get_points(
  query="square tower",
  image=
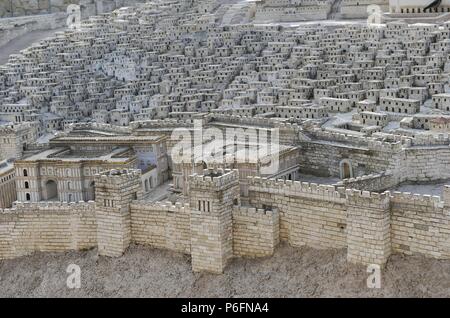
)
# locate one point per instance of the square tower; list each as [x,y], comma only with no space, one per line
[212,197]
[114,191]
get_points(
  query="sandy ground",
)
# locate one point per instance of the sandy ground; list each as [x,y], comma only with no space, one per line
[292,272]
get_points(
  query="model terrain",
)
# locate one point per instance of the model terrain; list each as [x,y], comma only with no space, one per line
[221,135]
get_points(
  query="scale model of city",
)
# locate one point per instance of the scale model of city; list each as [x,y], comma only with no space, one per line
[224,129]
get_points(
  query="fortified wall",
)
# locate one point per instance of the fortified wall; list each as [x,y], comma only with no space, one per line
[17,8]
[216,226]
[19,17]
[12,28]
[422,158]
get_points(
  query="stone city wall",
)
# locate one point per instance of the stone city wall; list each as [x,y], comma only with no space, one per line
[290,14]
[12,28]
[419,159]
[310,214]
[47,227]
[420,224]
[256,232]
[357,9]
[324,159]
[371,226]
[24,16]
[425,163]
[17,8]
[161,225]
[373,182]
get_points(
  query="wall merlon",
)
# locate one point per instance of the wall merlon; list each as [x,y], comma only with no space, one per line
[408,198]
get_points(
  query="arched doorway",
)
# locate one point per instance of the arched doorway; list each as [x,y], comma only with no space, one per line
[91,192]
[51,189]
[346,170]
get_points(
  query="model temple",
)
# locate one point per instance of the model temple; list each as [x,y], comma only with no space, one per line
[330,117]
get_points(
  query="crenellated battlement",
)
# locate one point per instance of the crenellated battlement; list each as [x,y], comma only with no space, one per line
[430,140]
[253,121]
[14,128]
[372,182]
[297,188]
[214,179]
[162,123]
[254,212]
[361,141]
[116,176]
[417,199]
[98,126]
[368,199]
[176,207]
[33,207]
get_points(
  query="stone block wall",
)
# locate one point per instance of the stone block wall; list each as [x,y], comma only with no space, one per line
[212,197]
[211,242]
[420,224]
[47,227]
[214,227]
[425,163]
[17,8]
[13,28]
[368,227]
[310,214]
[373,182]
[161,225]
[256,232]
[323,159]
[114,191]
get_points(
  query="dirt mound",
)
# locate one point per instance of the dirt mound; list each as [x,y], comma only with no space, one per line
[292,272]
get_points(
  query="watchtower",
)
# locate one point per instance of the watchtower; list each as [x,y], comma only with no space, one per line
[212,197]
[114,191]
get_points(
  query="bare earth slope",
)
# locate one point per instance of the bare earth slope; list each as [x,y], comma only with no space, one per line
[144,272]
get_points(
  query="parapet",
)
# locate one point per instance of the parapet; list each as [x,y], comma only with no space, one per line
[65,207]
[367,199]
[243,120]
[368,142]
[14,128]
[298,188]
[214,179]
[117,176]
[168,206]
[162,123]
[254,212]
[372,182]
[418,199]
[430,140]
[98,126]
